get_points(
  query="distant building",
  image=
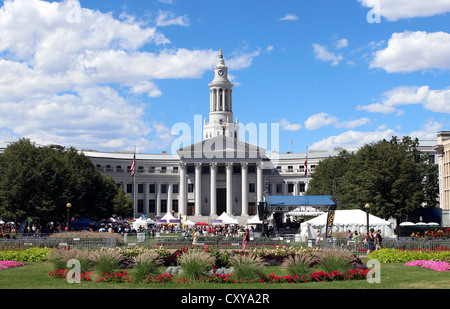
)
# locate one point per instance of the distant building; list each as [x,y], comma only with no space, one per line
[443,160]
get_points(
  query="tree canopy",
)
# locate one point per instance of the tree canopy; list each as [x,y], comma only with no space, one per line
[38,182]
[389,175]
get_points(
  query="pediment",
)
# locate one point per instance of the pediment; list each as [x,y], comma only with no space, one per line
[221,148]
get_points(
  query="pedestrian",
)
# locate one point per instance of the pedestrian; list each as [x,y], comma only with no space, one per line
[370,245]
[356,238]
[349,237]
[246,238]
[378,240]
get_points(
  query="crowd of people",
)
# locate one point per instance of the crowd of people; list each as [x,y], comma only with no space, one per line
[373,241]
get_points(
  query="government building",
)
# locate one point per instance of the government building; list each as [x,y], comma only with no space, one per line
[220,174]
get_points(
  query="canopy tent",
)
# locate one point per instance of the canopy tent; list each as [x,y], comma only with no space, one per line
[188,223]
[168,218]
[353,220]
[139,223]
[254,220]
[226,219]
[81,222]
[201,223]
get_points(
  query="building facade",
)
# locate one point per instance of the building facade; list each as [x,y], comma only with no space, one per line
[443,160]
[219,174]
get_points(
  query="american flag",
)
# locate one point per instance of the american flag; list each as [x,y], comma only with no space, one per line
[306,166]
[133,165]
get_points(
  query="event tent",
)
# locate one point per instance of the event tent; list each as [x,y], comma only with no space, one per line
[226,219]
[254,220]
[352,219]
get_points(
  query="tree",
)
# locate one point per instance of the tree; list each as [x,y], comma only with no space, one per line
[386,174]
[38,182]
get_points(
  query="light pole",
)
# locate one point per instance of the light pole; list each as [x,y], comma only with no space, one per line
[367,206]
[68,206]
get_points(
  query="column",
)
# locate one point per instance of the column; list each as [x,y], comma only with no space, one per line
[295,187]
[244,188]
[169,197]
[198,189]
[212,198]
[146,198]
[259,182]
[158,199]
[182,190]
[229,173]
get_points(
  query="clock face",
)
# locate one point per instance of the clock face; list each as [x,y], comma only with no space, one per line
[220,73]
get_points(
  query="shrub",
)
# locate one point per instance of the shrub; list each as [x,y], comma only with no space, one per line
[60,256]
[334,260]
[195,264]
[299,264]
[27,255]
[402,256]
[247,266]
[146,264]
[106,260]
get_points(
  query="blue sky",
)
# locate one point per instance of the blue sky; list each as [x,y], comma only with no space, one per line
[111,75]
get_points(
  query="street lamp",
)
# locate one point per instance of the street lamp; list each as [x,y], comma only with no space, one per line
[68,206]
[367,206]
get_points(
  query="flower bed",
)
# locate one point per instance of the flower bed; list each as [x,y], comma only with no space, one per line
[404,256]
[125,277]
[10,264]
[434,265]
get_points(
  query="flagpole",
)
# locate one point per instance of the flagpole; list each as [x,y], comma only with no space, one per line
[134,184]
[306,170]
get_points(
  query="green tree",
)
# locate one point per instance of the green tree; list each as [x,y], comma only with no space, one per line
[386,174]
[38,182]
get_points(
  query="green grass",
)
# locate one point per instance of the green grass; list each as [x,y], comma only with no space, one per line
[393,276]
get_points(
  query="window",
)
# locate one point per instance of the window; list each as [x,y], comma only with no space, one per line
[175,205]
[152,188]
[163,188]
[140,169]
[252,209]
[290,187]
[302,187]
[236,169]
[190,187]
[290,168]
[251,187]
[205,169]
[140,188]
[175,188]
[140,207]
[163,206]
[151,206]
[279,188]
[190,169]
[129,188]
[251,168]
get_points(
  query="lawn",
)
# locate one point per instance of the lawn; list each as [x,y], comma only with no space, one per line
[34,275]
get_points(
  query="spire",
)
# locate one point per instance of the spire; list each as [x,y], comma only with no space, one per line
[220,53]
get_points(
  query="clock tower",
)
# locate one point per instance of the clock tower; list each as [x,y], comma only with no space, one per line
[221,105]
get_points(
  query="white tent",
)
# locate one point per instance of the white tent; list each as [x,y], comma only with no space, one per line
[226,219]
[353,220]
[254,220]
[139,223]
[188,223]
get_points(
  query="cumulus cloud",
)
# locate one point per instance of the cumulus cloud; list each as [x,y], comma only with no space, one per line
[353,139]
[394,10]
[287,126]
[434,100]
[166,18]
[65,71]
[410,51]
[322,53]
[319,120]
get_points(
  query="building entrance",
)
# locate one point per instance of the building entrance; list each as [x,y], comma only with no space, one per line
[221,200]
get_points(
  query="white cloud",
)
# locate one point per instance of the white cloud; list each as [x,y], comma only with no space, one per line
[65,70]
[428,130]
[322,53]
[289,16]
[414,51]
[287,126]
[323,119]
[166,18]
[353,139]
[342,43]
[394,10]
[435,100]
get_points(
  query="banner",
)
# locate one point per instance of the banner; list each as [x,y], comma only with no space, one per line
[330,219]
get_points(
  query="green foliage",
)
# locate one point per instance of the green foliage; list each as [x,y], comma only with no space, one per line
[26,255]
[106,260]
[299,264]
[195,264]
[386,174]
[247,266]
[402,256]
[146,264]
[38,182]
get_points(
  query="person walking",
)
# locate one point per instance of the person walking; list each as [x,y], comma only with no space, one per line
[378,240]
[246,238]
[370,241]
